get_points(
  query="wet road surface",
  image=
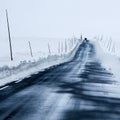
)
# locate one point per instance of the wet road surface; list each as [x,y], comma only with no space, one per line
[80,89]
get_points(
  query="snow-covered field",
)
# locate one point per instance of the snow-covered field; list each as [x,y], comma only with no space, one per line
[39,46]
[46,53]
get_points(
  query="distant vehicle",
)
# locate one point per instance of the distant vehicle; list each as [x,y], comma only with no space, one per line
[86,40]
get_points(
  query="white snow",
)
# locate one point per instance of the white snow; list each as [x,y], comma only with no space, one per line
[110,60]
[24,65]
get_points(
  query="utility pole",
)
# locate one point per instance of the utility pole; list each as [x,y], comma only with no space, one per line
[30,49]
[11,53]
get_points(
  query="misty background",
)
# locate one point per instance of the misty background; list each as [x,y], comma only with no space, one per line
[58,19]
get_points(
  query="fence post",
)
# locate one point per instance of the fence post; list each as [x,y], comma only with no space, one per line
[81,38]
[110,44]
[49,49]
[30,49]
[59,47]
[65,46]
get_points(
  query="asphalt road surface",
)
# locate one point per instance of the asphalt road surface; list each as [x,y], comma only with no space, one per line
[75,90]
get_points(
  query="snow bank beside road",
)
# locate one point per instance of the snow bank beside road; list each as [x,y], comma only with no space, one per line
[27,68]
[109,60]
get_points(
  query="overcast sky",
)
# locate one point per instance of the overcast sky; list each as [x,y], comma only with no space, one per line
[61,18]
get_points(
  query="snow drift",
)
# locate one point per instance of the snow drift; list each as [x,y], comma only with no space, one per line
[109,60]
[33,66]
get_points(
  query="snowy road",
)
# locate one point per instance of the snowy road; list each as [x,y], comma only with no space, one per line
[76,90]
